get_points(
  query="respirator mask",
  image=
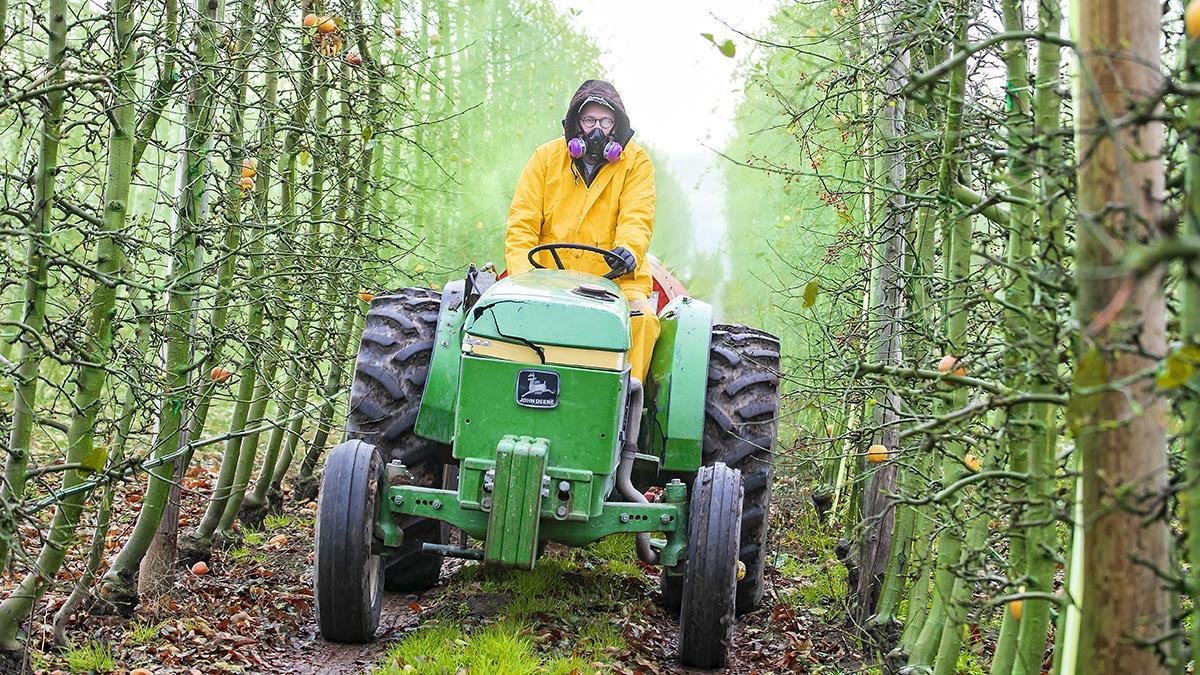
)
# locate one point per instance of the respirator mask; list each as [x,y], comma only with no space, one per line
[595,143]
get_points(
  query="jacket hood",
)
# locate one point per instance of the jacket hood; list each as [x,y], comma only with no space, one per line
[605,94]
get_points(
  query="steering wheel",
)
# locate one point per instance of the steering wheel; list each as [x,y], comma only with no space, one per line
[609,256]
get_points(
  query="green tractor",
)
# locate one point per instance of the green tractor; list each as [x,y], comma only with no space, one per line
[505,410]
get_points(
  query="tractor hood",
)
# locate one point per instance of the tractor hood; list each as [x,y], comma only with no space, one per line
[553,307]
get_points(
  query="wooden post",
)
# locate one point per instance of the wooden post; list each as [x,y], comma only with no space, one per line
[1121,431]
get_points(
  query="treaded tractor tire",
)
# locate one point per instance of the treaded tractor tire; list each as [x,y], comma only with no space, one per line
[347,578]
[389,380]
[706,617]
[741,408]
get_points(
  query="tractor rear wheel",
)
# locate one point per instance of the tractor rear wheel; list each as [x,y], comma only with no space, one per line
[347,577]
[706,617]
[740,419]
[389,380]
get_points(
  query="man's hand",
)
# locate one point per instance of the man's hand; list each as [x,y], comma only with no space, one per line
[627,263]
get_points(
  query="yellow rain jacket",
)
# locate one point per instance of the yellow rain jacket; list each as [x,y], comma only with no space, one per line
[553,204]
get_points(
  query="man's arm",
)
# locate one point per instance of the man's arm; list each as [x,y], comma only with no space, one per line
[635,210]
[525,215]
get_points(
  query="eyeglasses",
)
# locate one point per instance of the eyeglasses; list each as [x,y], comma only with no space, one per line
[589,122]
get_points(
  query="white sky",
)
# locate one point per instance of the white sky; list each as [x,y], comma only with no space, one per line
[679,90]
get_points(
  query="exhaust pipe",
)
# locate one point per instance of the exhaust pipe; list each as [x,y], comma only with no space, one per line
[633,426]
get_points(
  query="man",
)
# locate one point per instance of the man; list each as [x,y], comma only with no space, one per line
[594,187]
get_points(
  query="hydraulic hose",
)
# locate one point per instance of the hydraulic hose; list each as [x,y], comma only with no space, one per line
[633,426]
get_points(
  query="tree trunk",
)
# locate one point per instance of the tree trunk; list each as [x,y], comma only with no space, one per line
[257,401]
[1189,326]
[96,350]
[83,585]
[182,281]
[888,305]
[1041,540]
[234,195]
[295,389]
[957,234]
[1018,296]
[197,545]
[29,350]
[1121,434]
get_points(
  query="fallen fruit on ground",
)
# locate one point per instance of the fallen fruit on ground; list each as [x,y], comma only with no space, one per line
[877,453]
[200,568]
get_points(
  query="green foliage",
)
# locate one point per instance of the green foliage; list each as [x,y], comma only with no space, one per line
[141,632]
[89,657]
[279,521]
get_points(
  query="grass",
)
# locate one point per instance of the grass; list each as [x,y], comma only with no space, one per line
[142,632]
[280,521]
[89,657]
[558,618]
[807,555]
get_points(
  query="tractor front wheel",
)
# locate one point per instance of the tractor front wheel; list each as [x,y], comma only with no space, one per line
[706,617]
[347,577]
[389,380]
[741,405]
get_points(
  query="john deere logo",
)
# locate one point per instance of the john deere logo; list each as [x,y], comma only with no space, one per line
[537,389]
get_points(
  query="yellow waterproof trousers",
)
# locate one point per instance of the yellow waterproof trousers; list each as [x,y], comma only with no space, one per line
[643,332]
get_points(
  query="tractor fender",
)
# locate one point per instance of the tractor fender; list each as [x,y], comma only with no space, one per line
[678,382]
[435,418]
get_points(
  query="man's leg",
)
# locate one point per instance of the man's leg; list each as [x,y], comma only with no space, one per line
[643,331]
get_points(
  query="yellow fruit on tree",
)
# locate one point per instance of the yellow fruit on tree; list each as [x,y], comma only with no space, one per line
[1191,19]
[365,295]
[877,453]
[246,183]
[972,462]
[220,374]
[310,20]
[249,167]
[326,24]
[948,363]
[1015,605]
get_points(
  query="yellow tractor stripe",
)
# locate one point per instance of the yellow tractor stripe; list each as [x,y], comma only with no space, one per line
[563,356]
